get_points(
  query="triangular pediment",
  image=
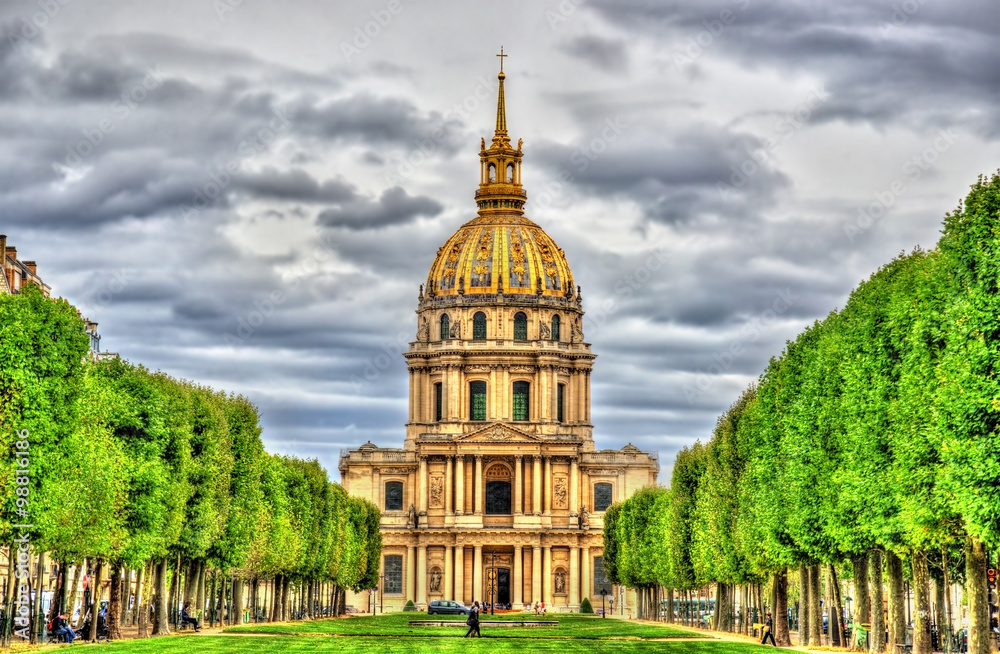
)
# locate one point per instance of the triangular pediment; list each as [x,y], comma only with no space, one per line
[498,432]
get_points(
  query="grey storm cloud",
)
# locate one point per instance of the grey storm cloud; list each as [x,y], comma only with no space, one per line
[267,189]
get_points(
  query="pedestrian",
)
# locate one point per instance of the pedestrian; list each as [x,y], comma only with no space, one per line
[768,630]
[473,621]
[61,628]
[187,619]
[536,607]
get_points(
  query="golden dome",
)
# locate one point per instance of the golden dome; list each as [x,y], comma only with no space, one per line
[507,253]
[500,250]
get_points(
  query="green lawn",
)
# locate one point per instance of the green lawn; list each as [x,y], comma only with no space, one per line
[392,633]
[395,644]
[571,625]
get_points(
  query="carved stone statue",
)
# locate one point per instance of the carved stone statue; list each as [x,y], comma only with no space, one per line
[456,329]
[482,143]
[411,518]
[577,332]
[424,333]
[435,585]
[584,517]
[520,142]
[543,329]
[560,585]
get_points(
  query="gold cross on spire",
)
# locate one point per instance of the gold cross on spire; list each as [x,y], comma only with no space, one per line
[501,55]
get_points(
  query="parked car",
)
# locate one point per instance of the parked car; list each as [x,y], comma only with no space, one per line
[350,609]
[445,607]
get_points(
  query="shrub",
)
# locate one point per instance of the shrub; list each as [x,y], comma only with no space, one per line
[410,606]
[585,606]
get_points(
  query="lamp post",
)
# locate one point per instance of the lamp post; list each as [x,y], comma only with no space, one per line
[381,595]
[493,564]
[611,601]
[604,592]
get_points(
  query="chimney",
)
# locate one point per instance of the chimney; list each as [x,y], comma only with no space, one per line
[12,252]
[32,266]
[3,248]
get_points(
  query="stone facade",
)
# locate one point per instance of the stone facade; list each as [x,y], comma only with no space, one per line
[498,492]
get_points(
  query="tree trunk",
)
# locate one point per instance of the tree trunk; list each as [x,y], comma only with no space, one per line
[975,589]
[221,599]
[780,610]
[190,583]
[201,586]
[815,609]
[115,604]
[837,608]
[897,608]
[922,608]
[939,614]
[803,631]
[140,578]
[10,593]
[284,598]
[238,585]
[876,637]
[862,600]
[160,624]
[37,618]
[78,568]
[95,606]
[947,590]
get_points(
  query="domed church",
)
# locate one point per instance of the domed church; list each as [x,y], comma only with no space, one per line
[498,492]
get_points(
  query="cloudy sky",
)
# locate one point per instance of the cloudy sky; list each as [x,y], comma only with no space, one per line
[248,194]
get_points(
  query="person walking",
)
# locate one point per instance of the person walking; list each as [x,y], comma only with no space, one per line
[768,630]
[473,621]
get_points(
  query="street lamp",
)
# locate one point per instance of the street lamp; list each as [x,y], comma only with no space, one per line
[381,595]
[493,564]
[604,592]
[611,601]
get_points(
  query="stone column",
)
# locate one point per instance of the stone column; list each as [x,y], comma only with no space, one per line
[517,603]
[536,573]
[459,573]
[548,485]
[477,573]
[536,486]
[574,485]
[585,576]
[518,485]
[493,393]
[411,405]
[449,563]
[477,481]
[460,484]
[586,382]
[574,577]
[554,394]
[421,575]
[540,392]
[422,490]
[411,571]
[377,489]
[506,411]
[448,488]
[585,491]
[547,576]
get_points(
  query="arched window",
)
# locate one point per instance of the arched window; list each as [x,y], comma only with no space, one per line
[479,326]
[445,327]
[602,496]
[393,496]
[522,393]
[555,328]
[520,326]
[493,172]
[510,173]
[477,400]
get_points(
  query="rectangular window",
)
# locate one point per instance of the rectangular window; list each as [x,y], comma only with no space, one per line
[521,397]
[393,496]
[477,400]
[602,496]
[437,402]
[600,576]
[560,393]
[393,575]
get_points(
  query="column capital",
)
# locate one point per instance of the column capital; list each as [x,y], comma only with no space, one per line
[479,457]
[536,457]
[518,457]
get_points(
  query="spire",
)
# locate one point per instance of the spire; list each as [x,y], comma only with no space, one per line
[501,107]
[500,136]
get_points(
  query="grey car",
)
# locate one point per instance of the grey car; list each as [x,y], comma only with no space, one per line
[445,607]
